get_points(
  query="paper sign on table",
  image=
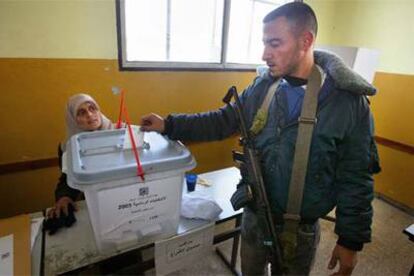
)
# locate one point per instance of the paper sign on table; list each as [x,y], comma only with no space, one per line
[177,252]
[15,246]
[6,255]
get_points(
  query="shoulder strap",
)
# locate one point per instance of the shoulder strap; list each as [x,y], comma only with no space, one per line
[260,118]
[307,121]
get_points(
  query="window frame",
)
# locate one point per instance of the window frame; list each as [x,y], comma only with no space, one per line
[125,65]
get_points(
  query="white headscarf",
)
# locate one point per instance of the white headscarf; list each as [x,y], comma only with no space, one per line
[72,107]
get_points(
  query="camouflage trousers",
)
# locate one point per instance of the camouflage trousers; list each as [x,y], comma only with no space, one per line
[254,255]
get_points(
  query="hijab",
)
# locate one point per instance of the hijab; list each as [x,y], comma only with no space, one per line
[72,107]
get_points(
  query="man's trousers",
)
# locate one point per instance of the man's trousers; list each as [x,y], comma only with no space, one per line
[254,254]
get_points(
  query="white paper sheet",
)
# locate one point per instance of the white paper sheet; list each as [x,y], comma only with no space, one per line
[177,252]
[410,229]
[200,204]
[6,255]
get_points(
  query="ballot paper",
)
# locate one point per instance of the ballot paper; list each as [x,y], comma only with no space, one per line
[6,255]
[180,251]
[138,137]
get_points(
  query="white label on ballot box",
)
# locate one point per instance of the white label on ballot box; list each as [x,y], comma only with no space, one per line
[137,207]
[180,251]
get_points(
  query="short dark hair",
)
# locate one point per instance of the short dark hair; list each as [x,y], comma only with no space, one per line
[299,14]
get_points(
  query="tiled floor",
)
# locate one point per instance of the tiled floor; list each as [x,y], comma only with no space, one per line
[389,253]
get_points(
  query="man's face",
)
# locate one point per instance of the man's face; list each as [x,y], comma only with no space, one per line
[282,51]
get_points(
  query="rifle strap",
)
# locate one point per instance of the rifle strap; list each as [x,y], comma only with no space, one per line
[307,121]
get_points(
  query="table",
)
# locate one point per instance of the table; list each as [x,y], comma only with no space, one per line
[72,249]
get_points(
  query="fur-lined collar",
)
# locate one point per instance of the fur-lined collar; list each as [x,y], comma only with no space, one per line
[344,77]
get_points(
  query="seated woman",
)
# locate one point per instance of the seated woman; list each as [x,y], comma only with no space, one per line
[82,114]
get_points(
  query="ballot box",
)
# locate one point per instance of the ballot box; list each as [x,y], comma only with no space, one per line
[124,209]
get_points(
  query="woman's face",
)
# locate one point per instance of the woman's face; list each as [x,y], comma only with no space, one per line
[88,117]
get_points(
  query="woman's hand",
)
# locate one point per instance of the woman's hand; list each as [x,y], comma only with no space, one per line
[62,205]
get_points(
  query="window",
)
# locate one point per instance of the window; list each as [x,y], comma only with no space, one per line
[191,34]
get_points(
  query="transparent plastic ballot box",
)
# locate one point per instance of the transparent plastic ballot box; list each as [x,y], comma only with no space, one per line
[124,209]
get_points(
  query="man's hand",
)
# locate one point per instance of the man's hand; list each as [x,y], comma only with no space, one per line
[347,260]
[152,122]
[61,206]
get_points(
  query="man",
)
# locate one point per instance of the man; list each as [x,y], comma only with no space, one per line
[342,156]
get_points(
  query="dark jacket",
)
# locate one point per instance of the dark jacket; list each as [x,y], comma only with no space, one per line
[343,151]
[62,187]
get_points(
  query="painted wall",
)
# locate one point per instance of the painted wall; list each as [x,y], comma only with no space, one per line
[387,25]
[58,29]
[68,46]
[52,49]
[32,107]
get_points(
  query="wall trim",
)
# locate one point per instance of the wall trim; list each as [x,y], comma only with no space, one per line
[396,204]
[53,162]
[395,145]
[28,165]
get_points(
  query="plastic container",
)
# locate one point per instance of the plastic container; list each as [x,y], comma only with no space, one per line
[124,210]
[191,180]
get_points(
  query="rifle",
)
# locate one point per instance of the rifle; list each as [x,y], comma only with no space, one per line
[254,190]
